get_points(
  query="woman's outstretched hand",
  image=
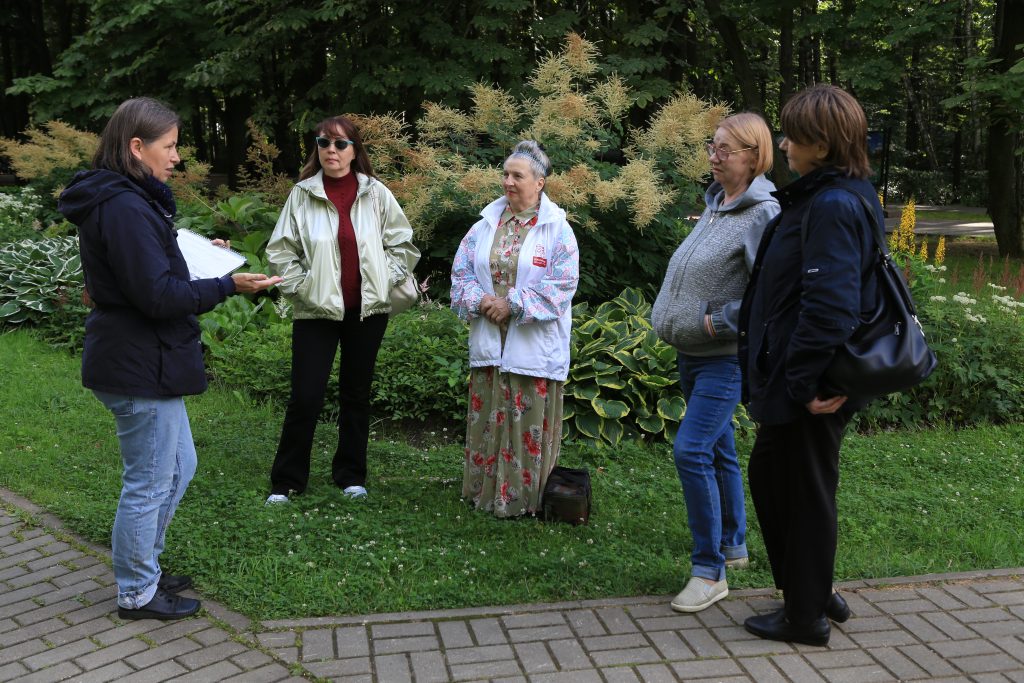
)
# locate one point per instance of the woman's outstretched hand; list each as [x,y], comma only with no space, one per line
[248,283]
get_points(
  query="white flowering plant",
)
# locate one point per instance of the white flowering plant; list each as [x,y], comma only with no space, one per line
[20,214]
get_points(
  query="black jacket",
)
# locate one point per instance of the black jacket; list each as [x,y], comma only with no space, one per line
[142,338]
[804,301]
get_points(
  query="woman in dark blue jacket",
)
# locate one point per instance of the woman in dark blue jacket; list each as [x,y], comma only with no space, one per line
[806,297]
[141,352]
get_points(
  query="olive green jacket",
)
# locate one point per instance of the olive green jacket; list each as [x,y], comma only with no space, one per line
[303,249]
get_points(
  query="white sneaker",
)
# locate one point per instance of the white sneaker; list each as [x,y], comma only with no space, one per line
[354,492]
[738,563]
[699,595]
[276,498]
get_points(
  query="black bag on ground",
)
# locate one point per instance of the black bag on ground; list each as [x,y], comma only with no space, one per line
[888,352]
[567,496]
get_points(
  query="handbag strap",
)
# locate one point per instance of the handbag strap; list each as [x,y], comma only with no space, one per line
[884,257]
[876,229]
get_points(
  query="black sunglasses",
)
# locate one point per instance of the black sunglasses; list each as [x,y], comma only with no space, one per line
[339,144]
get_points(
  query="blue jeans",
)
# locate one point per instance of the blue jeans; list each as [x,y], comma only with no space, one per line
[159,460]
[705,455]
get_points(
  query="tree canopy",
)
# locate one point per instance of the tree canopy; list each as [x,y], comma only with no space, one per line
[937,75]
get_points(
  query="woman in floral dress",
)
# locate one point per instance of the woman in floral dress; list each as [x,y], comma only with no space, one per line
[513,279]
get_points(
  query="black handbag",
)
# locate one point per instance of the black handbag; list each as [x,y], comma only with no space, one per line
[888,352]
[566,496]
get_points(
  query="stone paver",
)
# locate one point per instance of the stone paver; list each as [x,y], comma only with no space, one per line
[951,627]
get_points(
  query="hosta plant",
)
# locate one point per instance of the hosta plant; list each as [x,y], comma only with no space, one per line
[623,379]
[41,286]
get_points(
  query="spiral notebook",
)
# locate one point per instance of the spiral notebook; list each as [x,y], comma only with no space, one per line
[204,258]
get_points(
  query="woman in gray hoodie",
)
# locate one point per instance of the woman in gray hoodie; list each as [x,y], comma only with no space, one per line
[696,312]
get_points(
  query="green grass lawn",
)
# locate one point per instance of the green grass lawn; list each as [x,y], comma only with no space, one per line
[910,503]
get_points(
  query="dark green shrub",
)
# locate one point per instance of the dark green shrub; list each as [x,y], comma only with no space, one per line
[421,370]
[423,366]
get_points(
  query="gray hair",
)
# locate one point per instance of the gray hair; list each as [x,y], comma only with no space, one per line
[533,152]
[141,117]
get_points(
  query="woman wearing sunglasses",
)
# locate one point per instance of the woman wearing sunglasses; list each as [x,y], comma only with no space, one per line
[341,243]
[696,312]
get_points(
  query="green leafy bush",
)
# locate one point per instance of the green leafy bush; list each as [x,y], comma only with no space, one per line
[423,365]
[41,286]
[421,369]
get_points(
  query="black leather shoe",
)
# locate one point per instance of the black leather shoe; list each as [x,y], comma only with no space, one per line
[163,606]
[772,627]
[836,608]
[174,583]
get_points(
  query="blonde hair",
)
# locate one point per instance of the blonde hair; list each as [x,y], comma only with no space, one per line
[750,130]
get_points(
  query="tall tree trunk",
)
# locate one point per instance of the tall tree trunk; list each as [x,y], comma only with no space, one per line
[788,84]
[730,34]
[237,110]
[1005,164]
[917,113]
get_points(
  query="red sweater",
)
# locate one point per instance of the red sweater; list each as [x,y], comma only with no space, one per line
[342,193]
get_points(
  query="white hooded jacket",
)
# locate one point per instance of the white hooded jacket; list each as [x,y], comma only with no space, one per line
[537,343]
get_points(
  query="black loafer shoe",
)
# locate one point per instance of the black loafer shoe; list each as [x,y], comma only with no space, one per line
[772,627]
[174,583]
[163,606]
[836,608]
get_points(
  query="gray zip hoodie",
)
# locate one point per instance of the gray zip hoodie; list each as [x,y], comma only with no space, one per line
[709,271]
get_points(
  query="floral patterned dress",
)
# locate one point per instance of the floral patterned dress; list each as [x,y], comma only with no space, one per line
[514,425]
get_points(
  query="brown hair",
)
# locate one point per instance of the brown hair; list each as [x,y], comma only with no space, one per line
[345,127]
[140,117]
[831,116]
[750,130]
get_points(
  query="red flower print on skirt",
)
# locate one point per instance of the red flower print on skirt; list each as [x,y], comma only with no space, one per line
[478,459]
[506,454]
[500,417]
[540,387]
[532,445]
[527,478]
[504,492]
[476,402]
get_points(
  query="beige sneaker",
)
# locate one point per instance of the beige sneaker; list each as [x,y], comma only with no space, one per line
[738,563]
[699,595]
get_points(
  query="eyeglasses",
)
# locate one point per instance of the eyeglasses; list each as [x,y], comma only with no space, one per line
[723,154]
[340,144]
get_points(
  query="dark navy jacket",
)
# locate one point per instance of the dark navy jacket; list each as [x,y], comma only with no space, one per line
[142,338]
[804,301]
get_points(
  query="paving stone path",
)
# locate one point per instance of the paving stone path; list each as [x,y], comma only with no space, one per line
[57,623]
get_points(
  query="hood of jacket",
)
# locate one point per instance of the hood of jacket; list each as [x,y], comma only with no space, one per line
[549,212]
[760,190]
[89,189]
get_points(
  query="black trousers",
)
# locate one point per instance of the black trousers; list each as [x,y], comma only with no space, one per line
[314,345]
[793,473]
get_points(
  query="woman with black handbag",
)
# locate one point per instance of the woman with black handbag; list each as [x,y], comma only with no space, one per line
[806,298]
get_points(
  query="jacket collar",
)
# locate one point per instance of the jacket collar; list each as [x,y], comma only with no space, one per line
[807,185]
[549,211]
[315,184]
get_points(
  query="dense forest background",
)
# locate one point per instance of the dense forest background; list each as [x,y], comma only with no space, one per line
[942,81]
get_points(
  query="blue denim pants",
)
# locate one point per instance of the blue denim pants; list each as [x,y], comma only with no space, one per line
[705,455]
[159,460]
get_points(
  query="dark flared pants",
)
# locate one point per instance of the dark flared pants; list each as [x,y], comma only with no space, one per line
[793,474]
[314,345]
